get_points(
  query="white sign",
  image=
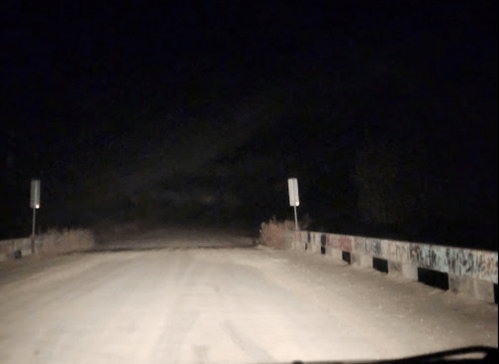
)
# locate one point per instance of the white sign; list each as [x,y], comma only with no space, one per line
[35,194]
[294,199]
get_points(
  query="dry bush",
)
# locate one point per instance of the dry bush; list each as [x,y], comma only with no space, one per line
[64,241]
[272,233]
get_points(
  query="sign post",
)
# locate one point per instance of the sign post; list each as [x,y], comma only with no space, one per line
[34,204]
[294,199]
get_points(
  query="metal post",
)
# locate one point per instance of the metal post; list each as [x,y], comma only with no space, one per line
[33,227]
[35,204]
[33,232]
[296,219]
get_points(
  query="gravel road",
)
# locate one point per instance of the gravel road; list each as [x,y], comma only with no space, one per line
[227,305]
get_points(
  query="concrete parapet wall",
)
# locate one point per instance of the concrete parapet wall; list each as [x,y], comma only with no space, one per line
[52,243]
[471,272]
[342,242]
[15,248]
[362,260]
[335,253]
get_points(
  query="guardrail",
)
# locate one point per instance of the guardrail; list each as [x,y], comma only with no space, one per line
[465,271]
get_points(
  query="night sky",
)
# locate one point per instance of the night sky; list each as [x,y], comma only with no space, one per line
[386,112]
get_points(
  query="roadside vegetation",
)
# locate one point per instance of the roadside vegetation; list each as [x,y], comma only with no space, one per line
[58,241]
[272,233]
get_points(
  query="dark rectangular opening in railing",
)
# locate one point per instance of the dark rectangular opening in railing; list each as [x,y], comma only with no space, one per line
[495,293]
[380,265]
[433,278]
[18,254]
[323,244]
[346,257]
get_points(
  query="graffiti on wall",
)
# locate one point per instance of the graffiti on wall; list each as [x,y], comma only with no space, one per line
[360,244]
[457,261]
[460,261]
[374,247]
[429,257]
[475,263]
[485,265]
[317,238]
[396,250]
[342,242]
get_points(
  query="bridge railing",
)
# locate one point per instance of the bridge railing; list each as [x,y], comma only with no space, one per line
[52,242]
[466,271]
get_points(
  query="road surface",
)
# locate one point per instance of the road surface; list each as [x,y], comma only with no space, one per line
[226,305]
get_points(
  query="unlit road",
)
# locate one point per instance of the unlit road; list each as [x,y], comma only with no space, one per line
[240,305]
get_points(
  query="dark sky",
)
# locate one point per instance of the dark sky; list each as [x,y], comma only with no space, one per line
[386,112]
